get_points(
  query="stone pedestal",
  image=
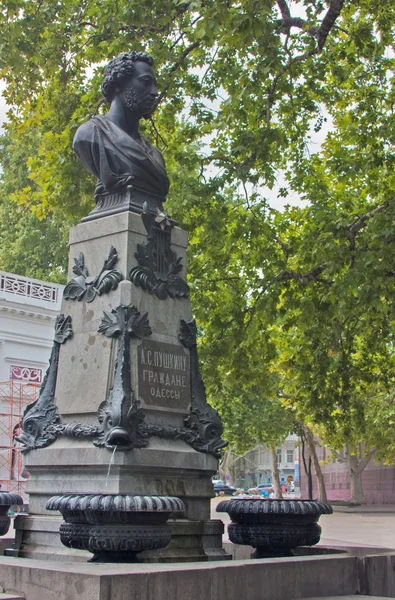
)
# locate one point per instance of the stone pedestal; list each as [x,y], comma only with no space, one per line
[129,414]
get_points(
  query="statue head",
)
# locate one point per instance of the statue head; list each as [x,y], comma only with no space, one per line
[130,77]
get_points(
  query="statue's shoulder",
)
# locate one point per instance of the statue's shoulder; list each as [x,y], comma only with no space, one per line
[86,131]
[150,147]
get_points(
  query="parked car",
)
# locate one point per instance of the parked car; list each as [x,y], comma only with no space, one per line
[261,486]
[220,486]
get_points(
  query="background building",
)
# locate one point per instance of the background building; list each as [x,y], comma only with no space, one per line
[28,309]
[378,480]
[255,466]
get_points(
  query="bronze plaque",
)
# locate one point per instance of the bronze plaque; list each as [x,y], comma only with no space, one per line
[163,374]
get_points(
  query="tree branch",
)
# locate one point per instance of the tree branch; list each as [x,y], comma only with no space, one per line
[304,278]
[360,223]
[176,65]
[362,463]
[320,34]
[286,250]
[312,275]
[286,23]
[363,219]
[329,21]
[284,9]
[285,68]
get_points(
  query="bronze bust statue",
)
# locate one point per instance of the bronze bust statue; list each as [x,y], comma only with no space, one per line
[129,170]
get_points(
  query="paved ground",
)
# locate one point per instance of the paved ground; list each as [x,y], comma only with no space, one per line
[369,526]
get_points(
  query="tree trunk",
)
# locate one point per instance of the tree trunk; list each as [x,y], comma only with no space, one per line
[224,466]
[307,470]
[356,465]
[276,475]
[356,487]
[310,480]
[316,463]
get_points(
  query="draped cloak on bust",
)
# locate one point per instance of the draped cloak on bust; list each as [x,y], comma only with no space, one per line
[117,160]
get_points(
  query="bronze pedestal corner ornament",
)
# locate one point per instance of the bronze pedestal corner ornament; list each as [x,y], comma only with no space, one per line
[120,416]
[158,267]
[203,427]
[42,414]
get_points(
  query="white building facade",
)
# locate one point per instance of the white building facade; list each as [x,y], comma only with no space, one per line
[255,466]
[28,310]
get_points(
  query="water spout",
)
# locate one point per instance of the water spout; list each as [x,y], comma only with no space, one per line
[110,465]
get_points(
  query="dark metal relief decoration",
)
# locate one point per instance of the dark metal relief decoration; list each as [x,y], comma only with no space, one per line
[85,287]
[120,416]
[158,266]
[73,430]
[41,414]
[204,424]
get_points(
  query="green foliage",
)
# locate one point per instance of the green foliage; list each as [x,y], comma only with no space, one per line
[32,247]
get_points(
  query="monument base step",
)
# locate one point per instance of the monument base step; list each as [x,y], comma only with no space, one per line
[327,576]
[351,598]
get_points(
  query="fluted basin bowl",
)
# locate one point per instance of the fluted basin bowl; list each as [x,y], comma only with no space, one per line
[7,499]
[274,527]
[115,528]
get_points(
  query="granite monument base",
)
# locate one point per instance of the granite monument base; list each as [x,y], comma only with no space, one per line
[129,414]
[166,468]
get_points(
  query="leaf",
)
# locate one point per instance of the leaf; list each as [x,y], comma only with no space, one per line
[75,289]
[108,281]
[111,325]
[91,292]
[79,267]
[111,260]
[138,324]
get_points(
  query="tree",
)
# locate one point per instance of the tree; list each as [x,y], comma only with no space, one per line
[250,418]
[32,247]
[316,464]
[332,365]
[29,246]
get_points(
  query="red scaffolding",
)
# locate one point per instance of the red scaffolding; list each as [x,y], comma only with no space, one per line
[14,396]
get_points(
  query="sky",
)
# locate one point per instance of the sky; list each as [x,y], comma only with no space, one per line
[3,106]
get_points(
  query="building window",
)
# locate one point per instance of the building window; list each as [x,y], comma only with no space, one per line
[290,456]
[279,456]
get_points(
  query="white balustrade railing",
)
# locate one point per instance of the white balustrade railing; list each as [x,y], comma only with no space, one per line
[34,289]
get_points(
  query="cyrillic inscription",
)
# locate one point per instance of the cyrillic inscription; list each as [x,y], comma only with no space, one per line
[163,373]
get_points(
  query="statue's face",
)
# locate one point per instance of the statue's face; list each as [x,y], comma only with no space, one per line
[139,92]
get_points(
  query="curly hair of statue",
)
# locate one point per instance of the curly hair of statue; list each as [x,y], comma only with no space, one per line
[119,68]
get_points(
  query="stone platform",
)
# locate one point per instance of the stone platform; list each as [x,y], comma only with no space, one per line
[325,576]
